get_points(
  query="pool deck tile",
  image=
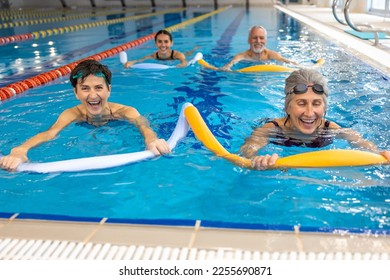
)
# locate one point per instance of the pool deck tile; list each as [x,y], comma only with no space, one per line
[246,240]
[51,230]
[144,235]
[352,243]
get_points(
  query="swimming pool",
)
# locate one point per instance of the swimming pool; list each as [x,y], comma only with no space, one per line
[192,184]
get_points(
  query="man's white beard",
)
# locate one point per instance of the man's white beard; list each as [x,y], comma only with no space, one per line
[258,50]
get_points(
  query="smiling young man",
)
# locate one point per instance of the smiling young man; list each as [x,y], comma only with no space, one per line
[257,40]
[304,125]
[92,87]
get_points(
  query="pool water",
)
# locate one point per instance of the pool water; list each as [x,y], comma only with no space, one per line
[192,183]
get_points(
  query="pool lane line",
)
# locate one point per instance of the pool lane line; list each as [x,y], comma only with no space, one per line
[19,87]
[73,28]
[11,24]
[207,87]
[34,13]
[195,20]
[31,13]
[225,41]
[30,71]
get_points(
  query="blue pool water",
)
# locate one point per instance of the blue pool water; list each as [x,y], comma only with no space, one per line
[191,183]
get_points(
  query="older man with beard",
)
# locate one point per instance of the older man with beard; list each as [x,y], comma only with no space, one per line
[257,40]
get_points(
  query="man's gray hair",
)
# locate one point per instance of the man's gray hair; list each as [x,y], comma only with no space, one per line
[257,27]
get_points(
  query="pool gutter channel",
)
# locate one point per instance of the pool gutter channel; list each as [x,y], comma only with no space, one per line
[41,239]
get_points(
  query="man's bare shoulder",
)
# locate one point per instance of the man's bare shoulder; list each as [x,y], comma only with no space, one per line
[270,54]
[245,55]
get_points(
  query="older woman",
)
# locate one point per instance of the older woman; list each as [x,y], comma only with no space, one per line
[304,124]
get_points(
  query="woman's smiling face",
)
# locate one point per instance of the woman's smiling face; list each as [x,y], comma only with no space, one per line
[93,94]
[164,43]
[306,111]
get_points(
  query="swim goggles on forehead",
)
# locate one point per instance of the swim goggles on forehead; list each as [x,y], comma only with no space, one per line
[302,88]
[80,74]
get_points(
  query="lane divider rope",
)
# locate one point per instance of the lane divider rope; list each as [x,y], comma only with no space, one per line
[41,20]
[7,14]
[44,78]
[73,28]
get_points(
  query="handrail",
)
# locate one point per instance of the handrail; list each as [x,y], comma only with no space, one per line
[350,23]
[370,28]
[334,7]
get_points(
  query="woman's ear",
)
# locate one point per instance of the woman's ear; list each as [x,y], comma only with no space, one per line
[75,93]
[287,110]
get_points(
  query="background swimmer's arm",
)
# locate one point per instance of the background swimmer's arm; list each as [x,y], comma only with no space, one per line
[237,58]
[130,63]
[180,56]
[277,56]
[190,52]
[258,139]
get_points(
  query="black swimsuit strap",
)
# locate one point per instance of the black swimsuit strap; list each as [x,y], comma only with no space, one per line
[327,123]
[318,142]
[274,123]
[157,57]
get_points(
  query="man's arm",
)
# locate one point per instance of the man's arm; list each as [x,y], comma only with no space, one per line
[277,56]
[237,58]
